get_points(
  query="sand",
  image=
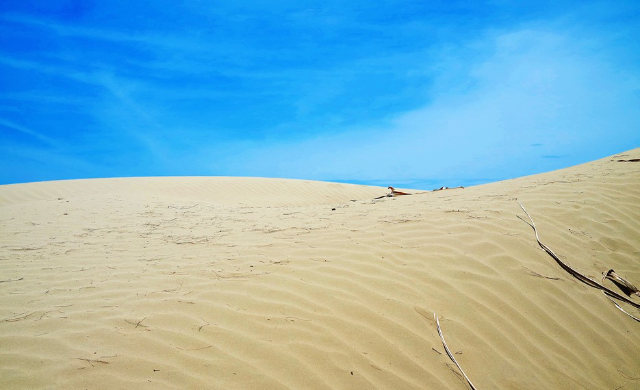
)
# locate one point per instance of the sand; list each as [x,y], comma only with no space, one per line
[244,283]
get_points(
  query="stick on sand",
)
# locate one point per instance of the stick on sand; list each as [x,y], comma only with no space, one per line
[444,344]
[584,279]
[394,192]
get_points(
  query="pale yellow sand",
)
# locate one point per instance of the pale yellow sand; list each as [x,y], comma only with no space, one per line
[232,283]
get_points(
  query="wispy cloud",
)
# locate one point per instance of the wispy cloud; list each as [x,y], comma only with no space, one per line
[414,92]
[101,34]
[18,161]
[24,130]
[117,106]
[535,87]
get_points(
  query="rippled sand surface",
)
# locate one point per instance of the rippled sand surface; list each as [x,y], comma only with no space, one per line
[241,283]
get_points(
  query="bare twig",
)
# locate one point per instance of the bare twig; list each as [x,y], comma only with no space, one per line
[18,317]
[91,361]
[193,349]
[622,310]
[534,273]
[622,283]
[628,376]
[444,344]
[10,280]
[584,279]
[139,323]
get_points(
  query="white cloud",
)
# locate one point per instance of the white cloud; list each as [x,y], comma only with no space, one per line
[24,130]
[533,86]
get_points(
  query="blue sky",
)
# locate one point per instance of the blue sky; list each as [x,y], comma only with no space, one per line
[416,94]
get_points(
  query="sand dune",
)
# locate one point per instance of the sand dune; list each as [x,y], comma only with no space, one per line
[244,283]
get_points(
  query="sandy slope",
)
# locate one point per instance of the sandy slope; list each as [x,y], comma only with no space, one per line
[262,283]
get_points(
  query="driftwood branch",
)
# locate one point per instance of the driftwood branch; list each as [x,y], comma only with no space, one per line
[10,280]
[584,279]
[444,344]
[622,283]
[622,310]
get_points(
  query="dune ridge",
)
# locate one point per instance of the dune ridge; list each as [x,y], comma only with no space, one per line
[232,191]
[267,283]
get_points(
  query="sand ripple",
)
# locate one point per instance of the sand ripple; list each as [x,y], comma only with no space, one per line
[264,283]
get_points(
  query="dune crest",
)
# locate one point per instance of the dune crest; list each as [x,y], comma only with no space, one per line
[285,284]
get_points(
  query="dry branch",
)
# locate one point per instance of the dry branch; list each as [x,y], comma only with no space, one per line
[193,349]
[624,311]
[444,344]
[17,318]
[139,323]
[625,286]
[91,361]
[534,273]
[584,279]
[622,283]
[10,280]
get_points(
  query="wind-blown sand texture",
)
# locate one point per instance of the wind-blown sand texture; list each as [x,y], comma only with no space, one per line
[240,283]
